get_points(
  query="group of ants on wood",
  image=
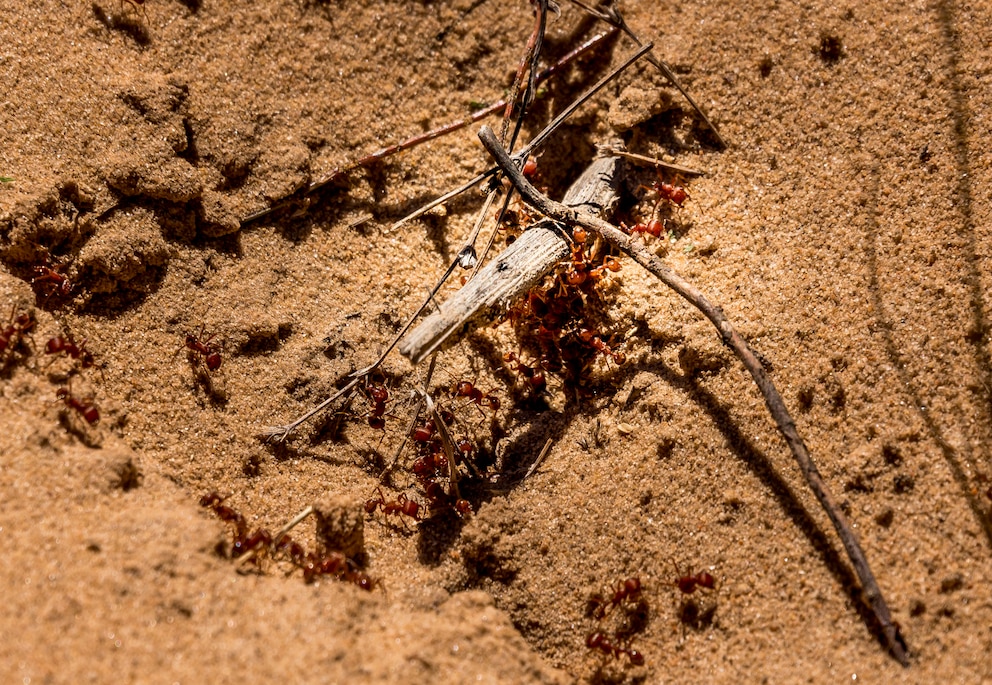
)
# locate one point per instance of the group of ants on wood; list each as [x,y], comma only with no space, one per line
[545,305]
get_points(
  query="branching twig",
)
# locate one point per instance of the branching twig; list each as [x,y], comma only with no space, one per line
[773,400]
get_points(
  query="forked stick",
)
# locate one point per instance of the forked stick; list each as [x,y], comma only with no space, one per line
[776,406]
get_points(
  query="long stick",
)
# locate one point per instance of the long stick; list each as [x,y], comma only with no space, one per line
[773,400]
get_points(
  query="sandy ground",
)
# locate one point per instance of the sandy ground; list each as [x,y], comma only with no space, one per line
[846,231]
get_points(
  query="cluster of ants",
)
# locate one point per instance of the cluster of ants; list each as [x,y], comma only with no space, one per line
[552,322]
[437,453]
[252,546]
[626,601]
[16,343]
[664,192]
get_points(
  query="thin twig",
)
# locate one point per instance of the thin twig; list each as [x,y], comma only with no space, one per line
[540,458]
[339,173]
[773,400]
[649,161]
[607,11]
[539,139]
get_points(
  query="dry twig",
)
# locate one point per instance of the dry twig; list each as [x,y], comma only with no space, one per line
[776,406]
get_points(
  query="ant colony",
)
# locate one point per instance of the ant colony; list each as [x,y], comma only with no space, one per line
[548,287]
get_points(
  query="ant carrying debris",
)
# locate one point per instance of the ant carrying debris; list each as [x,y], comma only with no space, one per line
[629,589]
[49,282]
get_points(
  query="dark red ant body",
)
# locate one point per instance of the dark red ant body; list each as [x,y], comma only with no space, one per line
[60,344]
[600,642]
[49,281]
[225,513]
[85,408]
[424,432]
[629,589]
[654,227]
[334,564]
[15,330]
[534,375]
[593,339]
[401,506]
[467,389]
[677,195]
[687,584]
[379,396]
[260,542]
[205,350]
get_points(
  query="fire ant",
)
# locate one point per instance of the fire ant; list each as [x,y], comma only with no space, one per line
[85,408]
[467,389]
[592,338]
[534,376]
[677,195]
[629,589]
[654,227]
[15,330]
[49,281]
[379,395]
[599,641]
[225,513]
[687,584]
[205,350]
[73,350]
[424,432]
[401,506]
[438,499]
[334,564]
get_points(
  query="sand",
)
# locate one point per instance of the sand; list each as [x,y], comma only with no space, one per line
[845,230]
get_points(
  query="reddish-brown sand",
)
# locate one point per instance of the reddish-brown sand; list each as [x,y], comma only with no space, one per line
[845,230]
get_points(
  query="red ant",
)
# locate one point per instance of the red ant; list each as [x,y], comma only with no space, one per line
[15,330]
[534,376]
[439,499]
[225,513]
[467,389]
[401,506]
[629,589]
[75,351]
[687,584]
[379,396]
[206,350]
[49,281]
[260,539]
[599,641]
[654,227]
[84,408]
[333,564]
[593,339]
[425,432]
[677,195]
